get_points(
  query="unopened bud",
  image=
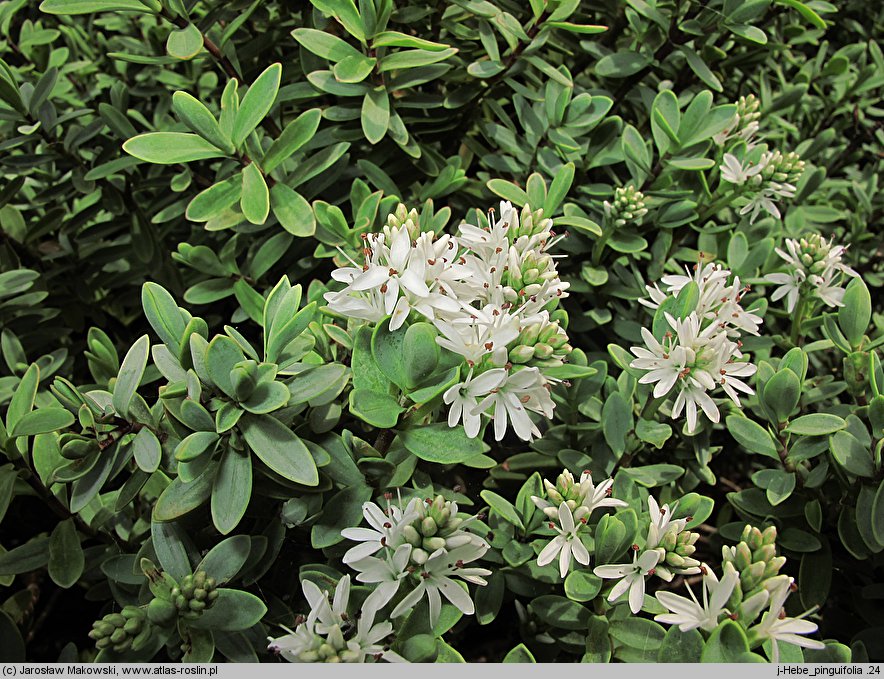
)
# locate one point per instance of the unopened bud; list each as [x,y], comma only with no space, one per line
[428,527]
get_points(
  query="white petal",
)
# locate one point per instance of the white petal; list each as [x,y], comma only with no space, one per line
[457,596]
[637,594]
[549,552]
[621,587]
[580,552]
[564,561]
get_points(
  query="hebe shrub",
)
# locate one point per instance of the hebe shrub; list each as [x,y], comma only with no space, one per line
[480,331]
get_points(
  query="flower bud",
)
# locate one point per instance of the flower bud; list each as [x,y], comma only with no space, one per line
[530,334]
[752,576]
[674,560]
[411,535]
[542,351]
[743,557]
[521,354]
[773,566]
[432,544]
[764,553]
[428,527]
[160,612]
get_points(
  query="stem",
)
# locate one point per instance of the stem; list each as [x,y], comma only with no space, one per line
[722,202]
[651,406]
[797,320]
[783,453]
[63,512]
[384,439]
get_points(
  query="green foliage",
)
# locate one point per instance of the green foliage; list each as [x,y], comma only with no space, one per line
[226,157]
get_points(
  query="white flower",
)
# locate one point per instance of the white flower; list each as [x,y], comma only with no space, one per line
[464,397]
[789,287]
[735,172]
[689,614]
[392,266]
[830,293]
[328,615]
[588,496]
[665,364]
[386,529]
[815,270]
[386,573]
[701,350]
[594,496]
[366,642]
[775,626]
[302,645]
[731,371]
[478,332]
[495,239]
[632,577]
[321,638]
[763,201]
[689,398]
[521,390]
[436,580]
[566,544]
[662,522]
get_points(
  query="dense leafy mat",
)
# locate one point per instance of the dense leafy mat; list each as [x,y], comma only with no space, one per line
[444,331]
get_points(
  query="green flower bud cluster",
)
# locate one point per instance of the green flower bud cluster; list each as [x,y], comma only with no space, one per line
[745,122]
[628,206]
[121,631]
[330,649]
[748,108]
[531,223]
[402,216]
[161,612]
[755,559]
[534,268]
[437,526]
[567,489]
[678,549]
[782,169]
[813,251]
[194,594]
[544,343]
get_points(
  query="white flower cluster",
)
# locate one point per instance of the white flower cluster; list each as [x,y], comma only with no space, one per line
[774,625]
[745,124]
[773,176]
[489,292]
[572,503]
[815,271]
[667,553]
[702,350]
[423,546]
[327,634]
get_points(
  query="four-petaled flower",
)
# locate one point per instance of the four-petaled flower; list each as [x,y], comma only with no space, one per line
[632,577]
[689,614]
[566,544]
[775,626]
